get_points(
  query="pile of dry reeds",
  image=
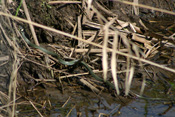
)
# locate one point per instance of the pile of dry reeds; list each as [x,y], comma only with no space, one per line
[107,37]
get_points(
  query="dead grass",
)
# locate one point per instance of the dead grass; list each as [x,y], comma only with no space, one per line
[112,38]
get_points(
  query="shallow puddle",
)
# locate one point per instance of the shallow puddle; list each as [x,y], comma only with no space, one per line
[78,102]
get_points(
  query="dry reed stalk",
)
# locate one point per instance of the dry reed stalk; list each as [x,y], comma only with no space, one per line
[94,89]
[92,43]
[80,43]
[13,79]
[4,58]
[30,25]
[107,29]
[15,66]
[70,111]
[64,2]
[104,53]
[66,102]
[129,80]
[146,7]
[114,61]
[136,9]
[4,98]
[36,109]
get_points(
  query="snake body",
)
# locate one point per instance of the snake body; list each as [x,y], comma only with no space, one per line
[73,62]
[69,63]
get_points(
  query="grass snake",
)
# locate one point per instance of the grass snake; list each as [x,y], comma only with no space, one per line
[68,63]
[74,62]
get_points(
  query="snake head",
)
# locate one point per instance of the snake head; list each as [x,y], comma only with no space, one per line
[21,29]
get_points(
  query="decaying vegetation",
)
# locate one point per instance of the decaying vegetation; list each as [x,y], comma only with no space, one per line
[125,53]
